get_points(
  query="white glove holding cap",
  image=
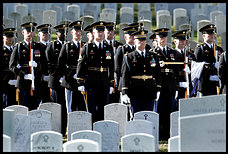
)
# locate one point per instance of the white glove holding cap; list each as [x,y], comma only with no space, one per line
[161,63]
[126,99]
[28,77]
[75,76]
[45,78]
[12,82]
[81,88]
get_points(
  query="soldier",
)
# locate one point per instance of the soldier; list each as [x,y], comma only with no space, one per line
[7,77]
[43,33]
[95,72]
[67,63]
[222,72]
[169,84]
[89,33]
[121,50]
[154,41]
[110,39]
[52,54]
[180,40]
[141,76]
[28,68]
[208,52]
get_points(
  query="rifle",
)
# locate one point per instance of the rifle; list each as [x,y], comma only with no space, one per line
[31,67]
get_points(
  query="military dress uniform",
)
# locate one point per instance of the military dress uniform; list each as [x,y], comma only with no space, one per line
[181,56]
[45,90]
[67,63]
[115,96]
[19,64]
[204,53]
[141,77]
[222,72]
[7,92]
[95,72]
[169,85]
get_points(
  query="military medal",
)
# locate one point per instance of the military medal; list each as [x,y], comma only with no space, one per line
[108,55]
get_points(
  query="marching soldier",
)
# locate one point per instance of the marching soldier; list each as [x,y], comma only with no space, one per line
[169,84]
[121,50]
[141,76]
[208,52]
[52,55]
[110,39]
[222,72]
[67,63]
[43,33]
[95,72]
[7,77]
[27,65]
[180,40]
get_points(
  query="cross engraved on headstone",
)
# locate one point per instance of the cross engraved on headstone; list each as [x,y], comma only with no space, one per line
[80,148]
[222,102]
[39,114]
[45,138]
[145,115]
[136,140]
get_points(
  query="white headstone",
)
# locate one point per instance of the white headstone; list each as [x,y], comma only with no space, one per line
[178,12]
[173,144]
[50,17]
[220,22]
[138,142]
[55,110]
[139,126]
[81,145]
[154,118]
[8,125]
[203,132]
[40,120]
[78,120]
[46,141]
[110,135]
[120,115]
[18,109]
[174,120]
[22,133]
[6,143]
[88,134]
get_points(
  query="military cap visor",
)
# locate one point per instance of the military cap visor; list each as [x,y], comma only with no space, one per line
[61,28]
[98,25]
[77,25]
[44,28]
[129,30]
[28,26]
[8,32]
[88,29]
[208,29]
[140,34]
[181,35]
[153,36]
[162,32]
[109,25]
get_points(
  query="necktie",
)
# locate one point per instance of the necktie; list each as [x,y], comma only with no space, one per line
[164,51]
[78,44]
[111,42]
[133,48]
[99,46]
[11,50]
[182,52]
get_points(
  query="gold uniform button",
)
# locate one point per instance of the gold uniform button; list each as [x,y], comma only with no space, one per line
[144,70]
[144,66]
[101,62]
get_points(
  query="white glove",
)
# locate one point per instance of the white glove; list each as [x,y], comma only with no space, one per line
[75,76]
[28,77]
[187,70]
[216,65]
[45,78]
[81,88]
[158,96]
[126,99]
[32,63]
[61,79]
[214,78]
[12,82]
[176,94]
[111,90]
[161,63]
[18,66]
[199,94]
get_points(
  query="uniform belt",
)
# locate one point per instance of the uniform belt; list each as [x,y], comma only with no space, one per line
[167,70]
[100,69]
[25,65]
[73,67]
[142,77]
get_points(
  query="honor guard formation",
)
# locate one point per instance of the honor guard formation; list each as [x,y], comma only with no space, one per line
[86,76]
